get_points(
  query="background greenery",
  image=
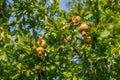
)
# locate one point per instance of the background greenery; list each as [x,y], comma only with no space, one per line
[22,22]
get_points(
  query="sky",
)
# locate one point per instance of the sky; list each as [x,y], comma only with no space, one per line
[63,5]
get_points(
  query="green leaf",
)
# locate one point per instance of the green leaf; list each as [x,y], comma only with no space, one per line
[15,76]
[74,78]
[28,72]
[88,16]
[19,66]
[105,33]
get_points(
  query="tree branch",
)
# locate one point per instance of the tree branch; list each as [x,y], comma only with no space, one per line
[74,48]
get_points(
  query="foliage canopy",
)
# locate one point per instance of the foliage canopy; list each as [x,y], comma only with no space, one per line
[67,55]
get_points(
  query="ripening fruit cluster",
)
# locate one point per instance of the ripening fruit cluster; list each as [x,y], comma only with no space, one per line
[41,49]
[82,28]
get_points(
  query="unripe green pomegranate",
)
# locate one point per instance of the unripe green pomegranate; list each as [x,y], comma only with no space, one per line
[88,40]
